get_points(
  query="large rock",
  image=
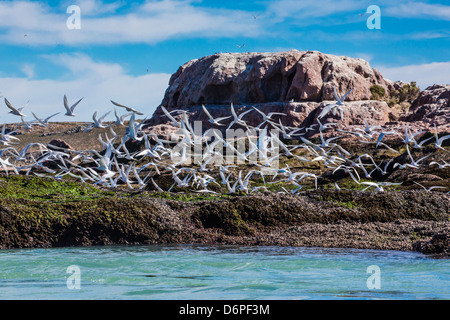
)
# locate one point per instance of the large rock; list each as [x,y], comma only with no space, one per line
[244,78]
[297,84]
[432,106]
[356,112]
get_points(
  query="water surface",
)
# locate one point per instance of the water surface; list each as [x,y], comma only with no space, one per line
[220,273]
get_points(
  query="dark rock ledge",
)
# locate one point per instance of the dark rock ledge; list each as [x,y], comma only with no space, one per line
[407,220]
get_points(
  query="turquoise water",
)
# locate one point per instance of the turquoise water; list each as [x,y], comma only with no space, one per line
[220,273]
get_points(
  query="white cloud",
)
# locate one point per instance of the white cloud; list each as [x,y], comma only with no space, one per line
[312,9]
[97,82]
[429,35]
[28,70]
[424,74]
[365,56]
[95,7]
[151,22]
[413,9]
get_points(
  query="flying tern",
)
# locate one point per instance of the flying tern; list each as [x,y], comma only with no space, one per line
[129,109]
[70,110]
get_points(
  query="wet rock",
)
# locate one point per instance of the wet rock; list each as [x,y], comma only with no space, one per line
[439,244]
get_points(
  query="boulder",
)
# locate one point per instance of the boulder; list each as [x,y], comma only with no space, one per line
[58,144]
[432,106]
[439,244]
[299,84]
[355,112]
[244,78]
[163,131]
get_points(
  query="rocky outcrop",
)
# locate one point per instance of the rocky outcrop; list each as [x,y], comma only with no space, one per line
[320,218]
[432,106]
[244,78]
[439,244]
[58,144]
[300,85]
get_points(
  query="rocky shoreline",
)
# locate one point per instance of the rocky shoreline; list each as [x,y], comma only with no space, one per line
[405,221]
[41,213]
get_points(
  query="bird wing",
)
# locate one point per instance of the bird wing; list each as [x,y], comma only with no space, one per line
[260,112]
[104,116]
[441,139]
[122,118]
[35,117]
[168,114]
[207,113]
[24,106]
[222,118]
[369,183]
[135,111]
[380,137]
[66,104]
[244,113]
[233,112]
[436,187]
[326,110]
[118,104]
[8,104]
[72,108]
[128,108]
[345,95]
[276,113]
[48,118]
[336,96]
[409,153]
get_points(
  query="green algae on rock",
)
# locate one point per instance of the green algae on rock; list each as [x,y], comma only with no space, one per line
[36,212]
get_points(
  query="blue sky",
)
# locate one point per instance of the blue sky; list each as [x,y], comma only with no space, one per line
[109,56]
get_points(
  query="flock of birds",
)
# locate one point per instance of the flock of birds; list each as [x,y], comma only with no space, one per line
[116,166]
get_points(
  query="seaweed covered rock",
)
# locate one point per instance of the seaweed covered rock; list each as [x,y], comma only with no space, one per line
[439,244]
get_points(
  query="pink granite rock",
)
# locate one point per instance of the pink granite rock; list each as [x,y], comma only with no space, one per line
[244,78]
[432,106]
[298,84]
